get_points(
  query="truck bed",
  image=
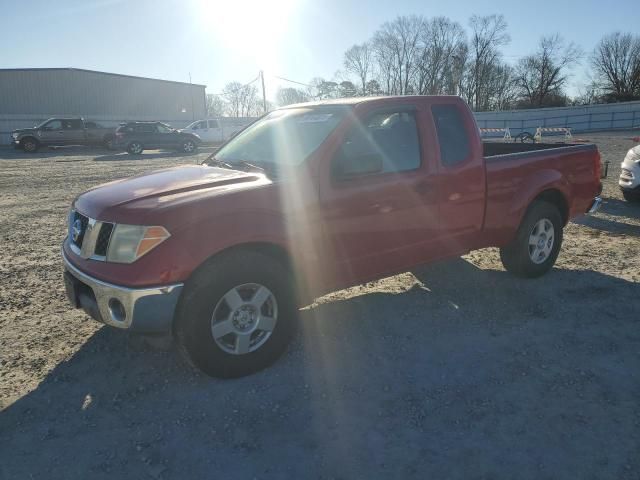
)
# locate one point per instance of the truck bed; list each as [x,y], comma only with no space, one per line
[515,173]
[492,149]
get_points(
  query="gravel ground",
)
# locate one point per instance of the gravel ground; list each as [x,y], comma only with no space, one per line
[457,370]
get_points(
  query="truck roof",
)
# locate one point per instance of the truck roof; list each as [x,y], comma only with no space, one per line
[359,100]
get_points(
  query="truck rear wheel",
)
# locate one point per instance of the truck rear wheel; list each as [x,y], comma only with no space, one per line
[188,146]
[236,315]
[537,244]
[30,144]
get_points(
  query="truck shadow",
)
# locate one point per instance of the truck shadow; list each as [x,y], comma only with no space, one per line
[612,207]
[443,374]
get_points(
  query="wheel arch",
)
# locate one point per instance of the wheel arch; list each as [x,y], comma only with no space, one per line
[270,249]
[557,198]
[30,137]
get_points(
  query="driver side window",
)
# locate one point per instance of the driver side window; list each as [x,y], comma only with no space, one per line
[53,125]
[386,142]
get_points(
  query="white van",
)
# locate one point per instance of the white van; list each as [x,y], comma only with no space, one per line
[216,130]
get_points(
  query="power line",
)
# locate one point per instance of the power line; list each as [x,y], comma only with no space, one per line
[293,81]
[241,86]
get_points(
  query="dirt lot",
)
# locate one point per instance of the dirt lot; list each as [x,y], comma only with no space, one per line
[457,371]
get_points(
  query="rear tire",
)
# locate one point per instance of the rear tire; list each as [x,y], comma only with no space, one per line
[631,196]
[534,250]
[135,148]
[223,296]
[29,145]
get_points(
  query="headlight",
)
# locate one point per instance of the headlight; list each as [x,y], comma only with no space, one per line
[15,135]
[129,242]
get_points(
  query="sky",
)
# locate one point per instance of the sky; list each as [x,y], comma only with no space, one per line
[218,41]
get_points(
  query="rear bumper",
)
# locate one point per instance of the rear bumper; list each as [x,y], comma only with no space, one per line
[137,309]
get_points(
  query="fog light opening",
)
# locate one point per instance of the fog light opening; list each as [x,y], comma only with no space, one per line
[116,308]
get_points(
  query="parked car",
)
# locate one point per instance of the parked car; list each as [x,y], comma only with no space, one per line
[217,130]
[61,132]
[309,199]
[135,137]
[630,174]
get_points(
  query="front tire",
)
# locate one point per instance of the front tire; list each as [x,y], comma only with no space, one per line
[29,145]
[135,148]
[236,315]
[537,244]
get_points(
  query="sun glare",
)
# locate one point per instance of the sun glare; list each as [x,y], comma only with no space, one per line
[248,28]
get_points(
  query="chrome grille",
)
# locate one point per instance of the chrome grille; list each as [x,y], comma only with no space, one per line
[102,243]
[88,237]
[78,228]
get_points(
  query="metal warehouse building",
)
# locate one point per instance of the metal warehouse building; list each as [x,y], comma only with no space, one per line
[30,95]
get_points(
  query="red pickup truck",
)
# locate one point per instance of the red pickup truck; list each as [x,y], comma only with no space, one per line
[308,199]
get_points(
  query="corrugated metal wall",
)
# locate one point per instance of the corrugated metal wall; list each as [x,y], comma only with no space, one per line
[588,118]
[32,94]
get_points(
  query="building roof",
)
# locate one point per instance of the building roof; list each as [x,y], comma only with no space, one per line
[96,71]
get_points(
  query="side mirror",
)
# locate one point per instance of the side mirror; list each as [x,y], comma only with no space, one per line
[364,164]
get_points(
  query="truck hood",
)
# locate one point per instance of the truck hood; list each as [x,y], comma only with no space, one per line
[25,130]
[131,200]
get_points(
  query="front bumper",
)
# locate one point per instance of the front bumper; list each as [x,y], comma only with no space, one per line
[148,310]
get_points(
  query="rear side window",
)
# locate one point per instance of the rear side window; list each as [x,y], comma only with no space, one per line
[452,135]
[213,124]
[145,128]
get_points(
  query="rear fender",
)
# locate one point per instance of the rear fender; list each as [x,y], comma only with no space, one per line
[534,185]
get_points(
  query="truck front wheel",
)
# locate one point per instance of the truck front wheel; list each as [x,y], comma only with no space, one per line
[537,244]
[236,315]
[30,144]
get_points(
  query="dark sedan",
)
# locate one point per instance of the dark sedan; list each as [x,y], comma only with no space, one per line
[135,137]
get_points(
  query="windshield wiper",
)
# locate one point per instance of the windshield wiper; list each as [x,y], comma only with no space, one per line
[218,163]
[251,165]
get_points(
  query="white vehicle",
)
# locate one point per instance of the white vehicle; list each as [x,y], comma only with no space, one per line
[216,130]
[630,174]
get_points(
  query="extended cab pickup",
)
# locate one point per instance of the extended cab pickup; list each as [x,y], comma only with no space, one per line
[308,199]
[62,131]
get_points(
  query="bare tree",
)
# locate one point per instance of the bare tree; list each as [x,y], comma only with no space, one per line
[541,77]
[288,96]
[616,65]
[488,34]
[242,100]
[215,105]
[396,46]
[442,42]
[358,60]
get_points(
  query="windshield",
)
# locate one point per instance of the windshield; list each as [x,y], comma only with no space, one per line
[283,137]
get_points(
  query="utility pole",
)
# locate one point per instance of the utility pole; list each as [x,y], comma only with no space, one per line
[264,96]
[193,114]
